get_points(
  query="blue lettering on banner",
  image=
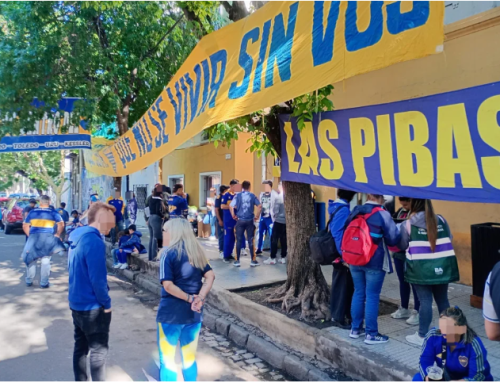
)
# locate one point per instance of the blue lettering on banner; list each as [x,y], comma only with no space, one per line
[257,81]
[162,115]
[140,141]
[206,85]
[356,40]
[131,154]
[246,62]
[111,158]
[194,91]
[33,142]
[149,138]
[185,91]
[121,154]
[281,47]
[177,106]
[215,59]
[398,22]
[324,38]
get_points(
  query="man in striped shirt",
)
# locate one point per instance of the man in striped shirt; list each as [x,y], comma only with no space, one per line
[42,243]
[491,304]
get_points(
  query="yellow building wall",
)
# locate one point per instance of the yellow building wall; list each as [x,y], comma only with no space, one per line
[471,57]
[199,159]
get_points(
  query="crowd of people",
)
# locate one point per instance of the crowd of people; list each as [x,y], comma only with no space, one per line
[415,241]
[421,247]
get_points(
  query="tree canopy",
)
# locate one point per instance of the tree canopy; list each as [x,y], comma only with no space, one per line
[115,56]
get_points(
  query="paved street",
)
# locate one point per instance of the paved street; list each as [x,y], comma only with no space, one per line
[36,330]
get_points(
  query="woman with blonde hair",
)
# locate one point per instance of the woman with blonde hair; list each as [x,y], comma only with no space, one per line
[431,263]
[183,266]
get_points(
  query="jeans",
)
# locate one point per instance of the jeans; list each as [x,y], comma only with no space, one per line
[425,294]
[120,225]
[168,337]
[404,287]
[44,271]
[212,223]
[341,296]
[220,235]
[114,253]
[91,334]
[241,228]
[367,287]
[155,236]
[279,233]
[265,227]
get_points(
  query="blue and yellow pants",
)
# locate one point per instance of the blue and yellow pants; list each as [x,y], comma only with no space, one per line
[168,337]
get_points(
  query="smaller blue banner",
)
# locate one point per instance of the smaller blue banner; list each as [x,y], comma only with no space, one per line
[46,142]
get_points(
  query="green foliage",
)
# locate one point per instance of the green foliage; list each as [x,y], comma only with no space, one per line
[303,107]
[264,123]
[28,165]
[116,56]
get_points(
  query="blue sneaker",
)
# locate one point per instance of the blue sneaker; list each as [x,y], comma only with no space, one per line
[29,284]
[355,334]
[376,339]
[45,286]
[236,264]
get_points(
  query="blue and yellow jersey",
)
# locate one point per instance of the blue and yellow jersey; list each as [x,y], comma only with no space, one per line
[226,199]
[119,205]
[42,220]
[177,206]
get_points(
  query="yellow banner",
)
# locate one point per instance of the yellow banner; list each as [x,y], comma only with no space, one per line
[283,50]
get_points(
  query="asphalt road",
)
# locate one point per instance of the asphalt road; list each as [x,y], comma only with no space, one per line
[36,330]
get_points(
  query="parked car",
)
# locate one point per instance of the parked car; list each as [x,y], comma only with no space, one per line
[13,215]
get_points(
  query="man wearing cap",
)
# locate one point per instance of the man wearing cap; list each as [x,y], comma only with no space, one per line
[42,243]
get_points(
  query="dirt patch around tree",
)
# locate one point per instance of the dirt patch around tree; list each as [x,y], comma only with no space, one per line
[259,294]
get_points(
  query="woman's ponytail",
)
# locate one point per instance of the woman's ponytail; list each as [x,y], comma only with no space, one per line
[431,221]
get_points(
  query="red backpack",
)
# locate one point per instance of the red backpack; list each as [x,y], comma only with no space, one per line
[357,244]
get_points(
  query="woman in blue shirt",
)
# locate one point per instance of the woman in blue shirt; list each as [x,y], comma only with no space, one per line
[183,265]
[456,348]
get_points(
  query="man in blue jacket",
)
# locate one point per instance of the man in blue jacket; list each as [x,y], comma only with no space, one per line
[88,292]
[342,284]
[368,279]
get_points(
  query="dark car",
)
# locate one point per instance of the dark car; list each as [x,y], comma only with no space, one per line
[13,215]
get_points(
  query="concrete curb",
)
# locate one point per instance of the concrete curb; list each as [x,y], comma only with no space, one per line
[326,346]
[263,349]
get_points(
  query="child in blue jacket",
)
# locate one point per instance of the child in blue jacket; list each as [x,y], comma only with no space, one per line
[131,245]
[456,349]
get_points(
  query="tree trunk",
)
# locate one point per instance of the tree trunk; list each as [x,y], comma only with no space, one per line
[305,288]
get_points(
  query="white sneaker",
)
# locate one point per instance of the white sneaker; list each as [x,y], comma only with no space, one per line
[243,252]
[282,261]
[212,238]
[221,254]
[415,339]
[117,266]
[401,313]
[270,261]
[123,266]
[414,318]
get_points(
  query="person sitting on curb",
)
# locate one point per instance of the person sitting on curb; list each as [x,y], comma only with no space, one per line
[131,246]
[122,237]
[453,351]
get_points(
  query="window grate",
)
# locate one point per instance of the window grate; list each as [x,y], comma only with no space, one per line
[141,194]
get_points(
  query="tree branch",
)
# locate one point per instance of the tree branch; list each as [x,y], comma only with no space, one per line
[152,51]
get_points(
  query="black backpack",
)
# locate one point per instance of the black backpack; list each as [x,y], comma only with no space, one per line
[322,244]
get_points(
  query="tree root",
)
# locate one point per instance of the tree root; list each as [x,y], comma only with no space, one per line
[314,301]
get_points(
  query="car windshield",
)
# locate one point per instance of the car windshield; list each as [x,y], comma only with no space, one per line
[23,203]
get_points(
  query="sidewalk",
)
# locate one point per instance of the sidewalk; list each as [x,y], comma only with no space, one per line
[397,350]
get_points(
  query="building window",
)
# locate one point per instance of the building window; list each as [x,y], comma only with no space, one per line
[176,179]
[141,194]
[207,181]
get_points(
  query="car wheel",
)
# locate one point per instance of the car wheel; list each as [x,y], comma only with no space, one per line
[8,229]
